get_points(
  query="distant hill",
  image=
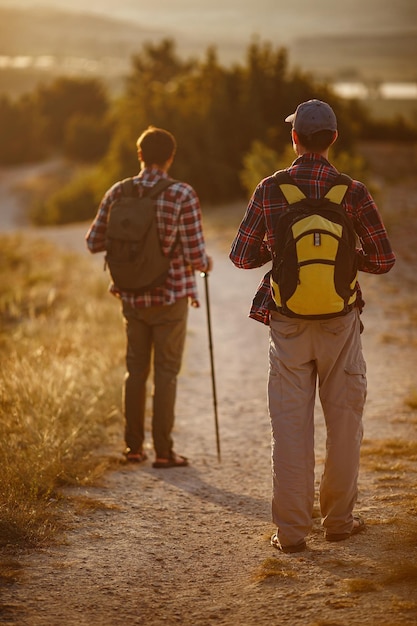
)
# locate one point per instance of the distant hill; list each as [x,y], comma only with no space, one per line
[36,32]
[388,57]
[61,33]
[220,21]
[40,44]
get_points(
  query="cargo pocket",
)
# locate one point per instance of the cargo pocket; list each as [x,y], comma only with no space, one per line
[356,384]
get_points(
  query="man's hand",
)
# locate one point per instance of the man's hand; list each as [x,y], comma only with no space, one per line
[209,266]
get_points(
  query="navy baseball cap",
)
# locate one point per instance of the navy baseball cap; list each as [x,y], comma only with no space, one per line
[313,116]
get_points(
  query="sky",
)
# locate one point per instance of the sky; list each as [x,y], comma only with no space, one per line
[237,19]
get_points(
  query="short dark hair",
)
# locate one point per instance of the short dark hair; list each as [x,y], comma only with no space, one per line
[317,142]
[157,146]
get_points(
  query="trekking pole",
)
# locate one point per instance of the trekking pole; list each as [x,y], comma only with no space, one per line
[213,380]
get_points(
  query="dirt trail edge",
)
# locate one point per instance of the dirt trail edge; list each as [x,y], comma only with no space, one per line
[191,545]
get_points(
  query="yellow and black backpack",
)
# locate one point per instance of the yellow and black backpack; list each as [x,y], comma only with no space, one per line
[314,266]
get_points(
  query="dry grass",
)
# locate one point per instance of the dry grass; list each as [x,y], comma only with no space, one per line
[411,400]
[11,571]
[59,389]
[325,622]
[395,457]
[399,449]
[400,572]
[403,605]
[273,568]
[360,585]
[84,504]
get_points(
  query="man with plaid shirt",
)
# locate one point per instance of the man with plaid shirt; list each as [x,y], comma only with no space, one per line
[304,351]
[156,320]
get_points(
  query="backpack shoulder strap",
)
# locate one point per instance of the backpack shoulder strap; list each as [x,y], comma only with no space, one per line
[128,188]
[159,187]
[338,190]
[292,193]
[290,190]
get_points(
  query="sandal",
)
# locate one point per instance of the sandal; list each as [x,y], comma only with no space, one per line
[135,457]
[174,460]
[357,528]
[299,547]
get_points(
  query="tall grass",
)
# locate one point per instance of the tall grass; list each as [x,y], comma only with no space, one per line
[59,387]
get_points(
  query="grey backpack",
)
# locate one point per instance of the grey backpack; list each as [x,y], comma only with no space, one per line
[133,250]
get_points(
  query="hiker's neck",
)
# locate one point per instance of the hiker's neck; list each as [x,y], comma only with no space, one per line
[300,151]
[160,166]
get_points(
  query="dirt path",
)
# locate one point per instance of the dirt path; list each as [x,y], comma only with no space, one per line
[191,546]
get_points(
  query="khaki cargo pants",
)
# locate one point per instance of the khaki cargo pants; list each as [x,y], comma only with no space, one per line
[302,353]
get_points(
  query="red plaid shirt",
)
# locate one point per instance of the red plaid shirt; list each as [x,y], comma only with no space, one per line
[178,213]
[315,175]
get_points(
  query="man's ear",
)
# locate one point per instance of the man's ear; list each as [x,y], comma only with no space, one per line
[335,136]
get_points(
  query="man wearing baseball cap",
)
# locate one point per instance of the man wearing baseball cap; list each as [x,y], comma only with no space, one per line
[312,117]
[307,352]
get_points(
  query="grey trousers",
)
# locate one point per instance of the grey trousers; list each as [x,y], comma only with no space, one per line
[301,353]
[161,331]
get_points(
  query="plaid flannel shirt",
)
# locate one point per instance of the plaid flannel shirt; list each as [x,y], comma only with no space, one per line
[180,231]
[315,175]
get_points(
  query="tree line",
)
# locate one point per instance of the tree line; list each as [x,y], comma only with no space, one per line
[221,116]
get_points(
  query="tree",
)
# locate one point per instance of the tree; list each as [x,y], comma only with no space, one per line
[229,122]
[66,98]
[265,91]
[86,138]
[22,132]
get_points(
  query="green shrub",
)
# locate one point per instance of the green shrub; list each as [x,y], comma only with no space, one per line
[261,161]
[86,138]
[75,202]
[258,163]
